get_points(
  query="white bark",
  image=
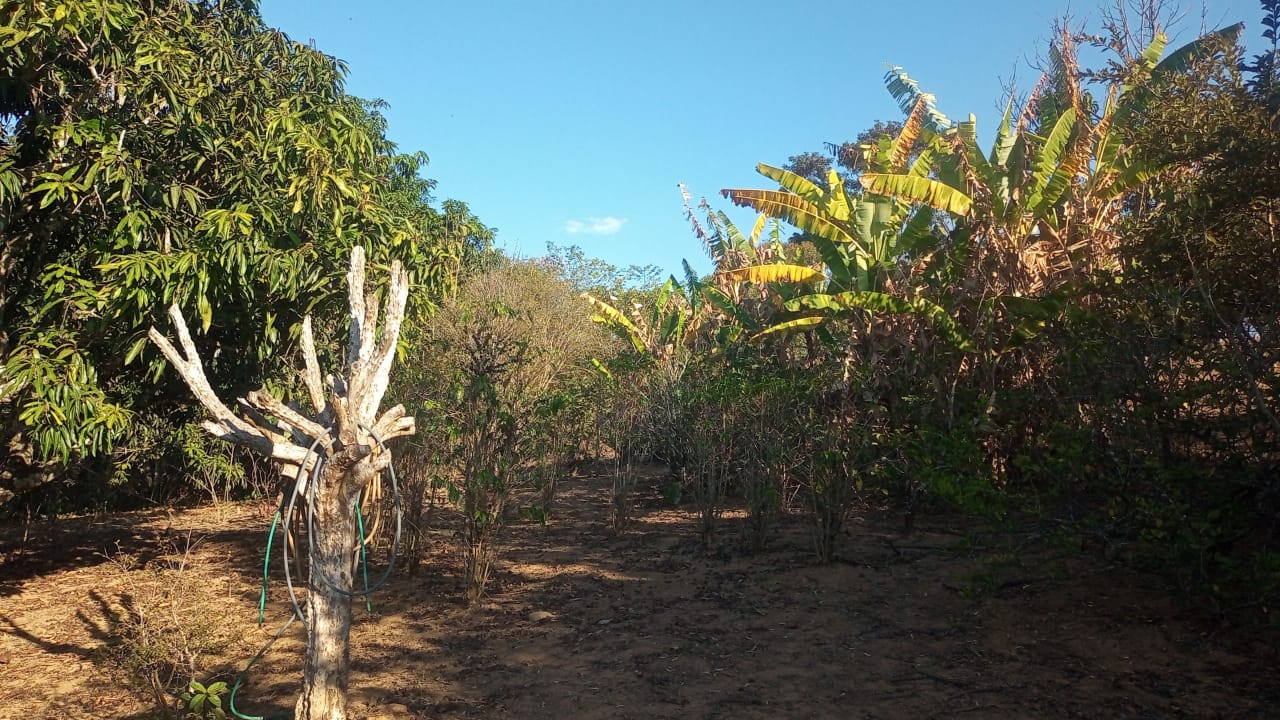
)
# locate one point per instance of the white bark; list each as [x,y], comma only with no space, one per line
[340,429]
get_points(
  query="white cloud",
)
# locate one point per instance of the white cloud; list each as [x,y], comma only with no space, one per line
[595,226]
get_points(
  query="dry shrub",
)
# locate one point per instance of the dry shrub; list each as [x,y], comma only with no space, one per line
[167,621]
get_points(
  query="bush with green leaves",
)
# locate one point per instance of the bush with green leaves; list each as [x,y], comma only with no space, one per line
[204,702]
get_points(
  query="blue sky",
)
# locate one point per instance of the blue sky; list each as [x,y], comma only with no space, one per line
[573,122]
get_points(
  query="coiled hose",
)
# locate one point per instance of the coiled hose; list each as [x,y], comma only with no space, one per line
[285,512]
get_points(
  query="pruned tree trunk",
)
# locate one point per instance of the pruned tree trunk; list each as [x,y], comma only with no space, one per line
[345,431]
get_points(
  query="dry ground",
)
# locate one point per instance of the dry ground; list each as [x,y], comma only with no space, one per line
[583,624]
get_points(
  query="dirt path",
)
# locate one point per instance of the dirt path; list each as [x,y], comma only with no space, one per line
[582,624]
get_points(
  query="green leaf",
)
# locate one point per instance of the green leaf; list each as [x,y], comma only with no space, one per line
[917,235]
[1180,60]
[134,349]
[1047,156]
[804,323]
[882,302]
[725,304]
[672,329]
[1151,54]
[1005,137]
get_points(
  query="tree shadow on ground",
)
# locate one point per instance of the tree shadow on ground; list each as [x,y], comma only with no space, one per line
[583,623]
[42,549]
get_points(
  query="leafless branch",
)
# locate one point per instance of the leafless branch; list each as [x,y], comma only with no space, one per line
[349,414]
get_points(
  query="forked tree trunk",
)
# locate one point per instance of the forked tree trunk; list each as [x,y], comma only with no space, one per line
[346,429]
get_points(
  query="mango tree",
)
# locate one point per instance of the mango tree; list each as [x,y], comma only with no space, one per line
[333,454]
[179,151]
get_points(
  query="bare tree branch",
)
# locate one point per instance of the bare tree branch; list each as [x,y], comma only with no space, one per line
[382,357]
[311,372]
[355,300]
[349,414]
[268,403]
[192,372]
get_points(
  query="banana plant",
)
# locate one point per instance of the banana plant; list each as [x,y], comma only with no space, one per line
[682,309]
[1054,180]
[743,261]
[861,237]
[661,332]
[1022,220]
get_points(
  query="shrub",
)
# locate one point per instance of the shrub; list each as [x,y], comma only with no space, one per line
[167,623]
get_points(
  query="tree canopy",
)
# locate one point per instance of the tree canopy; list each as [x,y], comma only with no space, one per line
[182,152]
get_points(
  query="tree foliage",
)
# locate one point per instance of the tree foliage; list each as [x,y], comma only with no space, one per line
[1080,313]
[503,369]
[181,152]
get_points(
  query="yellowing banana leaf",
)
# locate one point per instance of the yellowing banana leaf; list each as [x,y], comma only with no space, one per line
[804,323]
[761,221]
[918,189]
[614,319]
[836,203]
[792,209]
[1107,145]
[900,150]
[798,184]
[778,272]
[830,201]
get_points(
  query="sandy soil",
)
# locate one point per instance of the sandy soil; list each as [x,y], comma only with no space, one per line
[583,624]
